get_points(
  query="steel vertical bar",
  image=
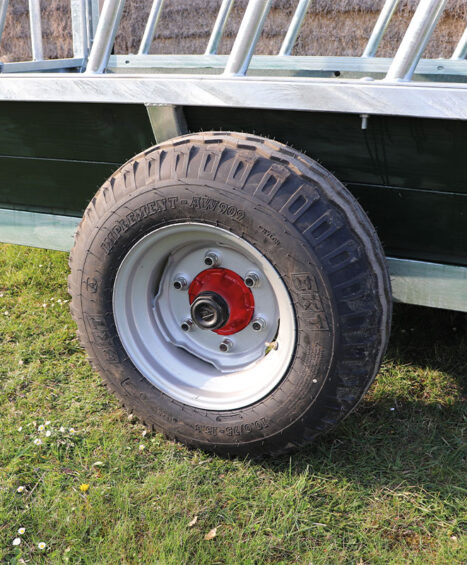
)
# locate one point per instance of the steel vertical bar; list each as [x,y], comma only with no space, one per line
[247,37]
[36,30]
[92,19]
[105,36]
[380,27]
[150,28]
[294,27]
[461,48]
[79,28]
[415,39]
[219,26]
[3,9]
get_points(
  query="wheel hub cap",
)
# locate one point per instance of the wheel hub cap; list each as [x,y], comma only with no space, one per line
[221,301]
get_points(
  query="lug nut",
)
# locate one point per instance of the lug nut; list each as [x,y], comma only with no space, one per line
[212,259]
[180,283]
[226,345]
[187,325]
[258,324]
[252,279]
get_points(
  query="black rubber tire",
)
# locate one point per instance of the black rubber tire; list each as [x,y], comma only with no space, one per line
[309,227]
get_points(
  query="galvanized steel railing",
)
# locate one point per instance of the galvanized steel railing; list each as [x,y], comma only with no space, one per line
[94,35]
[84,18]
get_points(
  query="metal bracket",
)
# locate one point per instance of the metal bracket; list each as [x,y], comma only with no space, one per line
[167,122]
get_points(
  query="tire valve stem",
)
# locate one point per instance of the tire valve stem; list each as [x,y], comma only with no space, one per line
[226,345]
[180,283]
[271,346]
[187,325]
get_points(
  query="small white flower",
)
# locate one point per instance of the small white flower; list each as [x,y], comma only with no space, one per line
[72,430]
[142,447]
[1,294]
[16,541]
[47,423]
[21,531]
[48,433]
[392,409]
[65,301]
[41,428]
[20,362]
[62,430]
[40,265]
[20,429]
[59,301]
[44,305]
[6,313]
[41,545]
[144,433]
[21,489]
[52,299]
[38,441]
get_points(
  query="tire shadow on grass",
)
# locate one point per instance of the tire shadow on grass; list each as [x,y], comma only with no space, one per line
[408,428]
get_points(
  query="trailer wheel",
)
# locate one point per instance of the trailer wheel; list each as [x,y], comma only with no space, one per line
[231,292]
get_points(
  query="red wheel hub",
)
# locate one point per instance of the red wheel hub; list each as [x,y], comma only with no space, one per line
[229,286]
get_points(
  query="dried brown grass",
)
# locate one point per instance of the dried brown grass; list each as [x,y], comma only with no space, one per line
[337,27]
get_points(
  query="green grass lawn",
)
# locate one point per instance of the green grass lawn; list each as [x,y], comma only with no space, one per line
[387,486]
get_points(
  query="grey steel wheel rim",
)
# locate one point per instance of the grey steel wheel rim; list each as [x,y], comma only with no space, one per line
[190,365]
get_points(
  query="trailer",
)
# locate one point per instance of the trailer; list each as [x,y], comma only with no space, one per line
[234,292]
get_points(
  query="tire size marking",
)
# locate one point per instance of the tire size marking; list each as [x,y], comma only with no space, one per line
[123,224]
[201,203]
[231,431]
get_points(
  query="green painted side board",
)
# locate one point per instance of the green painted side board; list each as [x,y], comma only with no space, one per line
[402,152]
[409,174]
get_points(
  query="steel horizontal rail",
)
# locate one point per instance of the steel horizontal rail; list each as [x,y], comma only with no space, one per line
[45,65]
[418,99]
[273,63]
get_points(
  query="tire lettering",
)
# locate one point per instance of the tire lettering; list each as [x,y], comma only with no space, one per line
[270,235]
[303,282]
[231,431]
[309,301]
[211,205]
[125,223]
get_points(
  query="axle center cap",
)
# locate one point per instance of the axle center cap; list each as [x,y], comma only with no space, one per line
[209,311]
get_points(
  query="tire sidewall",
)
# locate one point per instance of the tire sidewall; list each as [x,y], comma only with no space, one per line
[149,208]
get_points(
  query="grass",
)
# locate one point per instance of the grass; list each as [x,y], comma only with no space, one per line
[387,486]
